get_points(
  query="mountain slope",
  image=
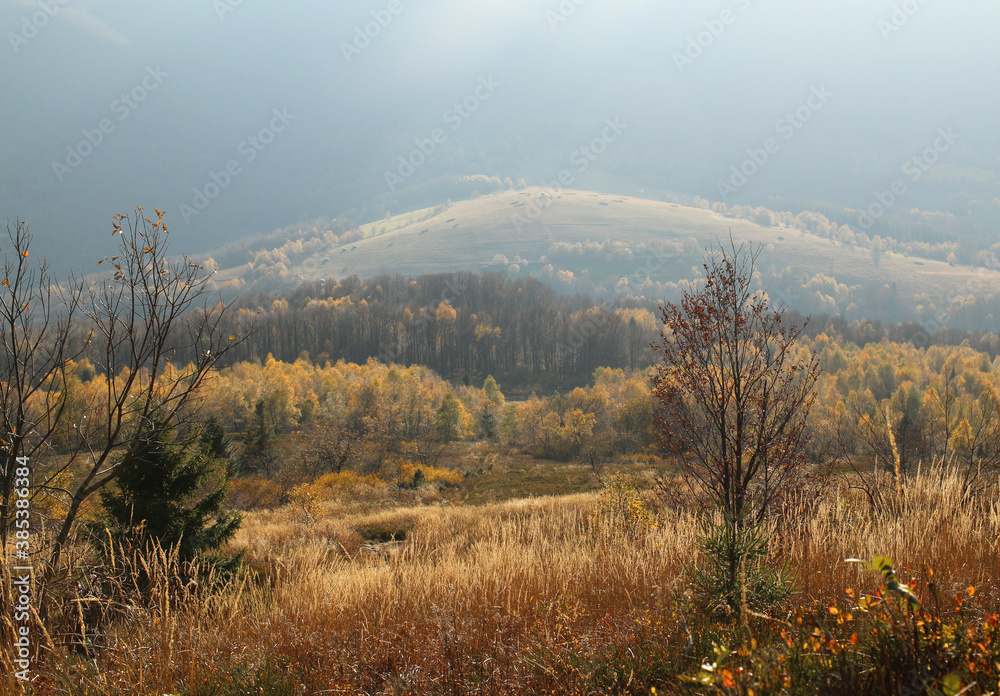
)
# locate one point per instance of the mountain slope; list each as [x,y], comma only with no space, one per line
[515,231]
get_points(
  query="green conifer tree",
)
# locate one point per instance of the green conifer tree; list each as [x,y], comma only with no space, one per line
[171,496]
[487,423]
[256,456]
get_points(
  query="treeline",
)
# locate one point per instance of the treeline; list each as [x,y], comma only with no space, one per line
[893,402]
[890,401]
[459,324]
[392,404]
[966,238]
[899,407]
[281,424]
[468,325]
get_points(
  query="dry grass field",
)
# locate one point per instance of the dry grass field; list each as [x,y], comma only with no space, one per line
[576,594]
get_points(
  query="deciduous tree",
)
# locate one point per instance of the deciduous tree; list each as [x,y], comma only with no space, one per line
[733,390]
[448,425]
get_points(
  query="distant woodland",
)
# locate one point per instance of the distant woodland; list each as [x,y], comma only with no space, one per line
[468,326]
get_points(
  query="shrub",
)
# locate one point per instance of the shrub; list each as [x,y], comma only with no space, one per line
[732,572]
[253,492]
[431,474]
[346,481]
[621,508]
[306,498]
[886,643]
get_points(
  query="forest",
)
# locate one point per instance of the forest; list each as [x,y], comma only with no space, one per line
[522,331]
[939,401]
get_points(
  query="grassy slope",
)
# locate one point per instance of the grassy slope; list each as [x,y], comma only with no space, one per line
[468,234]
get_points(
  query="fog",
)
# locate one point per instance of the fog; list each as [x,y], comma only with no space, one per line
[109,104]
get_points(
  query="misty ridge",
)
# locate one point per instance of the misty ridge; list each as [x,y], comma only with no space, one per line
[110,106]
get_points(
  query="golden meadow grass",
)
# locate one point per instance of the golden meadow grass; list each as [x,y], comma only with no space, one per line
[527,596]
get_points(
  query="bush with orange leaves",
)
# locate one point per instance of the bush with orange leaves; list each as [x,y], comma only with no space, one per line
[882,643]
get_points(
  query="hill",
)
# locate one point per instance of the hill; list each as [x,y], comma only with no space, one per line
[587,241]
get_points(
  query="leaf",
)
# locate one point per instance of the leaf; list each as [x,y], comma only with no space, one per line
[883,565]
[727,679]
[952,684]
[24,253]
[904,590]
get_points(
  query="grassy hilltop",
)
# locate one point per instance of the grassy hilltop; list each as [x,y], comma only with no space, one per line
[523,225]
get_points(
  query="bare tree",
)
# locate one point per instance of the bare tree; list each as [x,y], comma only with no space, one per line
[598,451]
[867,445]
[38,341]
[977,443]
[154,338]
[947,402]
[733,388]
[326,448]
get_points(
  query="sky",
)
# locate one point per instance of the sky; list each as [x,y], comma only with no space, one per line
[238,117]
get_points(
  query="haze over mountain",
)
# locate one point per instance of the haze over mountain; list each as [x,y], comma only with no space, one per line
[202,78]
